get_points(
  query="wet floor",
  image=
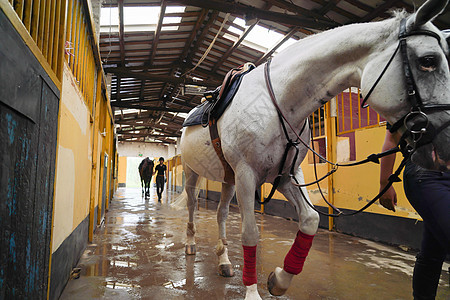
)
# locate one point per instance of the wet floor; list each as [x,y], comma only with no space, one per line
[139,254]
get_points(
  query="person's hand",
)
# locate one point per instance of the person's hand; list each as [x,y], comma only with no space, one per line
[389,199]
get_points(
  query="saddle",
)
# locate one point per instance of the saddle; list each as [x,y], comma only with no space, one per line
[214,104]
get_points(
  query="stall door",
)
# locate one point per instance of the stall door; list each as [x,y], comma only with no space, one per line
[29,103]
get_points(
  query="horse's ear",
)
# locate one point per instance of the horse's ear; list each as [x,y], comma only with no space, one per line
[425,13]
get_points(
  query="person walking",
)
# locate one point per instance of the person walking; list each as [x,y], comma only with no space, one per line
[161,176]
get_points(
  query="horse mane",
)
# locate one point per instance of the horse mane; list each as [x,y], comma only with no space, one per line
[398,13]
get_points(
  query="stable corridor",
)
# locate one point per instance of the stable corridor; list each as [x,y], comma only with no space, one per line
[138,253]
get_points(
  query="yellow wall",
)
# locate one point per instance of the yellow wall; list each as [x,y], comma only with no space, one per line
[99,183]
[74,160]
[214,186]
[72,190]
[355,186]
[122,177]
[179,175]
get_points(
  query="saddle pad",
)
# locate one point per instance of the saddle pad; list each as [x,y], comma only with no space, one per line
[198,113]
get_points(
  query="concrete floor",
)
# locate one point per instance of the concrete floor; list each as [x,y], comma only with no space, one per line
[139,254]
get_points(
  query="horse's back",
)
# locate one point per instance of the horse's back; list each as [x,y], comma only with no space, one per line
[146,169]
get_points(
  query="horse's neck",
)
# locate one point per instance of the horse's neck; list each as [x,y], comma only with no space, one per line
[311,72]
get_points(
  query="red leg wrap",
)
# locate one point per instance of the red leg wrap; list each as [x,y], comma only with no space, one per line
[294,260]
[249,272]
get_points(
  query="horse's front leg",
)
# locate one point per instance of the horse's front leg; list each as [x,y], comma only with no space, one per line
[190,186]
[245,191]
[280,279]
[225,268]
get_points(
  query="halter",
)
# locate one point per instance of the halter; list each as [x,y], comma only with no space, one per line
[416,122]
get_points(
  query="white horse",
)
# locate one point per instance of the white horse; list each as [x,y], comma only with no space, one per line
[304,77]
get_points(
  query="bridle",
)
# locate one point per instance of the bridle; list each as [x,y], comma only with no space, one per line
[417,127]
[416,123]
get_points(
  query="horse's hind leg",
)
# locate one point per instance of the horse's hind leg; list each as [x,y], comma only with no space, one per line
[280,279]
[191,184]
[148,185]
[225,268]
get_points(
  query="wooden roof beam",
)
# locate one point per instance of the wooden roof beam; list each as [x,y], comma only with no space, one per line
[194,32]
[145,141]
[121,33]
[276,46]
[128,129]
[119,79]
[360,5]
[338,10]
[377,11]
[164,135]
[187,46]
[124,72]
[186,63]
[157,33]
[150,108]
[244,11]
[327,7]
[234,47]
[300,10]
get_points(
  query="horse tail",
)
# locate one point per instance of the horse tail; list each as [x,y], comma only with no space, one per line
[180,201]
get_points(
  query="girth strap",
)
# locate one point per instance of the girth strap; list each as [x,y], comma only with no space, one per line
[217,144]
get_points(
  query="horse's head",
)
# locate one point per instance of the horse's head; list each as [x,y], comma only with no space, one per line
[413,94]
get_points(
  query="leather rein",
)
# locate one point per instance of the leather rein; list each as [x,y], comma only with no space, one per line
[417,111]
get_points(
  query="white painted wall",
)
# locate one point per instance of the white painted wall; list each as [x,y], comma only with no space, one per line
[171,151]
[136,149]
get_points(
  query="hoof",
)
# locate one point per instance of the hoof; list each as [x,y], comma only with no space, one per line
[190,250]
[226,270]
[273,287]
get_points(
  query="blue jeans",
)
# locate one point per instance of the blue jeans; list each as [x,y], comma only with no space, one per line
[429,194]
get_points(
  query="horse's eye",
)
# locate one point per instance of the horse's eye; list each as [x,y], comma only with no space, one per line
[427,63]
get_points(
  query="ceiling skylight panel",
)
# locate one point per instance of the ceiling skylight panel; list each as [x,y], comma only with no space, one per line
[175,9]
[263,37]
[239,22]
[286,44]
[109,19]
[172,20]
[135,15]
[109,16]
[138,18]
[259,38]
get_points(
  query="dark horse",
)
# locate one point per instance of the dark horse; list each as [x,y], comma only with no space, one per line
[146,172]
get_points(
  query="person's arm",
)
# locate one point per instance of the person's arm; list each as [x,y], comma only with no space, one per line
[167,173]
[388,199]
